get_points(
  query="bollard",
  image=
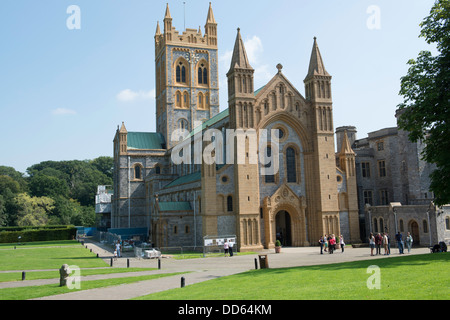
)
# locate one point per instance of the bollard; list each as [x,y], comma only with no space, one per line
[182,282]
[111,264]
[159,264]
[23,275]
[256,264]
[128,263]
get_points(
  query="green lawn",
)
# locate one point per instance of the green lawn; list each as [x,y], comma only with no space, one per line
[38,258]
[420,277]
[25,293]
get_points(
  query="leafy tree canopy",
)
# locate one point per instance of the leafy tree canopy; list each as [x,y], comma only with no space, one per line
[425,111]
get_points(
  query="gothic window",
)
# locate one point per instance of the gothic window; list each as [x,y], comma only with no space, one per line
[181,72]
[185,100]
[291,165]
[229,203]
[138,172]
[201,101]
[202,74]
[183,124]
[178,102]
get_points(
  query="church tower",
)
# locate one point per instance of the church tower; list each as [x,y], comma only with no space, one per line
[187,79]
[323,201]
[241,100]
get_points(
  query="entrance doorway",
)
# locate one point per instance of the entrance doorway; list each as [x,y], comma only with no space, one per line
[414,227]
[283,228]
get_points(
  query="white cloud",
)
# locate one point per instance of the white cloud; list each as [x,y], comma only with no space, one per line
[63,111]
[129,95]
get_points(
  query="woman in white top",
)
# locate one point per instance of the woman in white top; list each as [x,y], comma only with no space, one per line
[371,243]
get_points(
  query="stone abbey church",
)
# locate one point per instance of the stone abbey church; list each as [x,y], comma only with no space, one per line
[313,192]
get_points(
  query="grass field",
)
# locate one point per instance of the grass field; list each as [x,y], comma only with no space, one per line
[419,277]
[38,257]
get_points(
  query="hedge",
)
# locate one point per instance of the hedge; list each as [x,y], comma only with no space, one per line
[30,234]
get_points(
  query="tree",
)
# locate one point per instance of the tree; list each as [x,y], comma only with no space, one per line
[48,186]
[425,111]
[33,211]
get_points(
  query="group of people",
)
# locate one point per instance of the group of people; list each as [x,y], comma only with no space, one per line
[328,243]
[379,240]
[228,248]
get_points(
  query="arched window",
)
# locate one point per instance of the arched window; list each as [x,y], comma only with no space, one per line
[201,100]
[291,165]
[178,74]
[202,74]
[375,224]
[205,76]
[137,172]
[183,124]
[229,203]
[178,101]
[181,72]
[185,100]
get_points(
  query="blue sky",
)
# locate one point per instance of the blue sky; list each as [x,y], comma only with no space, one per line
[63,92]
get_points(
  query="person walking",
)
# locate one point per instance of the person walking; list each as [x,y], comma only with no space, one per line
[409,242]
[371,243]
[399,239]
[342,243]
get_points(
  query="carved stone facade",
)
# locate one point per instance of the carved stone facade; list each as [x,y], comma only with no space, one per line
[308,196]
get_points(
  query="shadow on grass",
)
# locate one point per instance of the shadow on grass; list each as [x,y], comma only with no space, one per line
[391,262]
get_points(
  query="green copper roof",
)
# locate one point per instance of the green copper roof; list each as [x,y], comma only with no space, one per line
[185,179]
[174,206]
[145,140]
[225,113]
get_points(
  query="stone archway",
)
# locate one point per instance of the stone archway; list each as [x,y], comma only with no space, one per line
[283,228]
[414,230]
[282,205]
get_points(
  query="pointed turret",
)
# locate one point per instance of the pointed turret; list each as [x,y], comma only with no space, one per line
[210,18]
[211,28]
[167,15]
[346,148]
[158,29]
[241,98]
[318,80]
[123,139]
[168,25]
[316,66]
[239,59]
